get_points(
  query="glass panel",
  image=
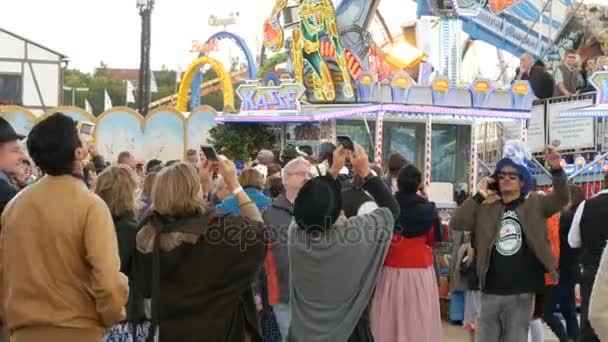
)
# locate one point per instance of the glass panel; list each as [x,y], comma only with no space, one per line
[10,90]
[450,153]
[357,131]
[443,161]
[404,138]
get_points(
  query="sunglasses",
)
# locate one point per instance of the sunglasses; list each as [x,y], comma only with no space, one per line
[509,175]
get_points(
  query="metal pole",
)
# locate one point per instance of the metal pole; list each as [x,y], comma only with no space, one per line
[147,94]
[142,63]
[73,96]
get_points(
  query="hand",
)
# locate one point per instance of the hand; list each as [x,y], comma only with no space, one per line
[207,169]
[360,161]
[340,155]
[93,150]
[228,171]
[554,158]
[483,187]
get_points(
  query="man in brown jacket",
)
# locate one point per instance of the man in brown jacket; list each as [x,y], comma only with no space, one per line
[60,278]
[513,249]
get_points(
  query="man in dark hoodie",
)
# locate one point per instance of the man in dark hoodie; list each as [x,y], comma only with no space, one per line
[10,159]
[278,217]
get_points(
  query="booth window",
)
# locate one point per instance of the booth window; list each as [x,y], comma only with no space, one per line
[10,89]
[450,153]
[357,131]
[405,138]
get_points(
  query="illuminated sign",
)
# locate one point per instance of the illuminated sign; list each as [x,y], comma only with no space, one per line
[521,88]
[441,85]
[282,98]
[199,47]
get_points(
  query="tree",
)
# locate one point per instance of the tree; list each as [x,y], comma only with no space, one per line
[241,141]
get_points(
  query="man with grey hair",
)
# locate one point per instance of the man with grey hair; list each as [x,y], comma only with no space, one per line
[265,157]
[541,81]
[278,217]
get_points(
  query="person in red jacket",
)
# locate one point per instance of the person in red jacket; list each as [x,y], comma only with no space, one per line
[405,306]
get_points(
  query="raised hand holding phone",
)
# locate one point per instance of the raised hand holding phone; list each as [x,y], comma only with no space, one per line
[360,161]
[553,157]
[339,160]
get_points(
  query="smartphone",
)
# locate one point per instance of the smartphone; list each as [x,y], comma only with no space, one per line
[85,128]
[346,142]
[209,152]
[493,186]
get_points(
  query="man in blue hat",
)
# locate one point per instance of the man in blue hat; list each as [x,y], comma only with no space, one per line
[508,222]
[11,156]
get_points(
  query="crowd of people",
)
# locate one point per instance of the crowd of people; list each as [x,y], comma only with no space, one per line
[299,248]
[568,79]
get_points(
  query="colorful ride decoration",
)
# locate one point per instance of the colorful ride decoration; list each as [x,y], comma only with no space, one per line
[192,71]
[317,20]
[164,134]
[497,6]
[213,41]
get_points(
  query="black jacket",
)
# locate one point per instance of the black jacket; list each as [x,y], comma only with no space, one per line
[7,192]
[541,81]
[202,291]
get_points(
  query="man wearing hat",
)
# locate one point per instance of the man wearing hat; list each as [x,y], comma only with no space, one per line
[335,261]
[11,156]
[511,241]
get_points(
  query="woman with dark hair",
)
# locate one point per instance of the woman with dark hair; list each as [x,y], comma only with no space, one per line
[274,186]
[562,295]
[395,162]
[405,306]
[325,159]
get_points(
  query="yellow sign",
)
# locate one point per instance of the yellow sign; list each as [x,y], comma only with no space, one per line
[402,82]
[481,86]
[521,88]
[366,80]
[441,85]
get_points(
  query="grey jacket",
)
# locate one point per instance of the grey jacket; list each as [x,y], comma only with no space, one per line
[278,217]
[484,220]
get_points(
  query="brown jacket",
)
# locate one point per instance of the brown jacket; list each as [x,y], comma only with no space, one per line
[484,220]
[59,263]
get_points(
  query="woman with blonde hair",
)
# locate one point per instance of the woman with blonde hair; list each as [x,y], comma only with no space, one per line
[253,182]
[146,194]
[117,185]
[204,260]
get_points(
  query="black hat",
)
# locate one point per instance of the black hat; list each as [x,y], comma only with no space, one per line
[318,204]
[7,132]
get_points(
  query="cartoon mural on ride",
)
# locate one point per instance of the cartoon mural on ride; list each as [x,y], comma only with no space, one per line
[317,20]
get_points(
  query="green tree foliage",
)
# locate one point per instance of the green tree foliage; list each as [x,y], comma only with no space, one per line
[241,141]
[99,81]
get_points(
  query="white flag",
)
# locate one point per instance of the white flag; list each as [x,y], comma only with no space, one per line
[130,89]
[178,74]
[87,106]
[153,86]
[107,101]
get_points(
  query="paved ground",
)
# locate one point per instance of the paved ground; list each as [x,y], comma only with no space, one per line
[457,334]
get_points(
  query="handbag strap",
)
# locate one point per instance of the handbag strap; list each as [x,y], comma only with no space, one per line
[155,286]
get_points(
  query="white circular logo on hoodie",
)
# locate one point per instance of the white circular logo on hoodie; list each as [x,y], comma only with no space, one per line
[509,237]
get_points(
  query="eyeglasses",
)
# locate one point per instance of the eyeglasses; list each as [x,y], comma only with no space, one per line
[510,175]
[302,174]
